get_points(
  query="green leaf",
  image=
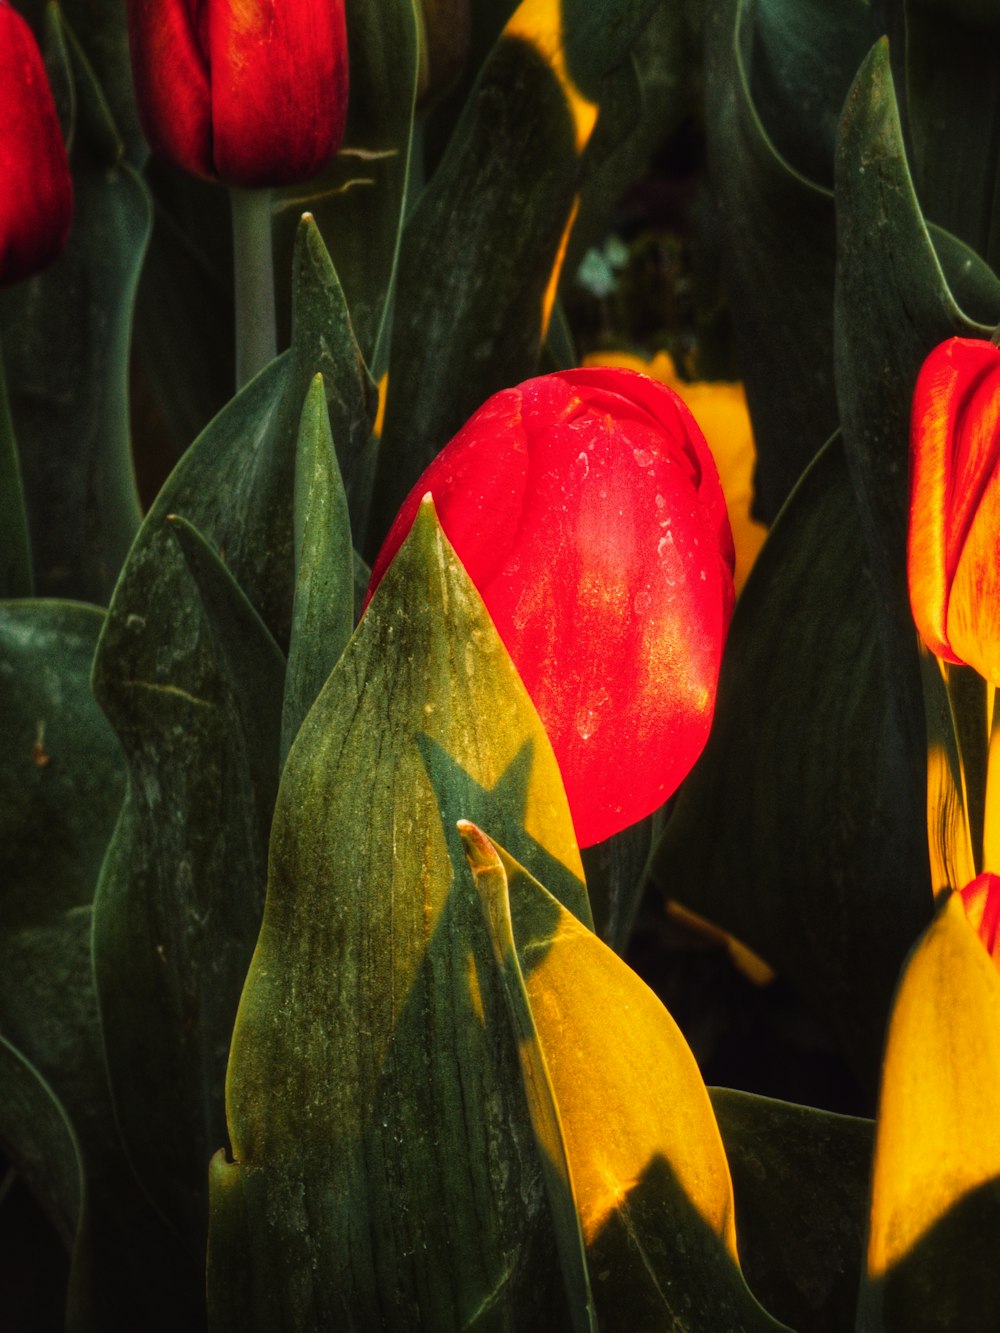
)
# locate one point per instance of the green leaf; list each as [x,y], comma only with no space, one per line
[801,1181]
[622,1115]
[61,785]
[821,782]
[323,612]
[644,101]
[15,544]
[67,368]
[804,55]
[360,200]
[935,1206]
[953,117]
[37,1135]
[372,1086]
[193,690]
[616,881]
[324,343]
[483,248]
[893,305]
[777,249]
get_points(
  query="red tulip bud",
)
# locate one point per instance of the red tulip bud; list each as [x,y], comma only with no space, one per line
[250,92]
[587,510]
[36,193]
[954,544]
[981,900]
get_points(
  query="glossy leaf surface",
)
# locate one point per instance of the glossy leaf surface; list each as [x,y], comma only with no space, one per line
[384,1163]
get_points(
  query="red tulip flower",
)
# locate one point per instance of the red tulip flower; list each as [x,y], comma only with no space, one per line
[36,193]
[954,542]
[981,900]
[250,92]
[587,510]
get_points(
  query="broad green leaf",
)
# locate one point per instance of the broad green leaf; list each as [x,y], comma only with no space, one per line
[372,1088]
[323,611]
[804,55]
[893,305]
[621,1113]
[953,116]
[483,248]
[40,1141]
[66,352]
[821,783]
[777,252]
[61,785]
[15,544]
[801,1182]
[180,898]
[360,201]
[935,1204]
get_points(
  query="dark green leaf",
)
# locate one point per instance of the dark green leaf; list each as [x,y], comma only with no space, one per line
[893,305]
[801,1183]
[820,863]
[777,250]
[61,784]
[484,243]
[180,898]
[952,61]
[39,1139]
[360,200]
[373,1089]
[324,343]
[15,544]
[323,613]
[66,346]
[802,58]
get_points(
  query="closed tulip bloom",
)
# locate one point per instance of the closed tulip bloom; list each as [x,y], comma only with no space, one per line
[954,539]
[587,510]
[250,92]
[36,192]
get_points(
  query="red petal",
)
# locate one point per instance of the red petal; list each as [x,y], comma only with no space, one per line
[36,192]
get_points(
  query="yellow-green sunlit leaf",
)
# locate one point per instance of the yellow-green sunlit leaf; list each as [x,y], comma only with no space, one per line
[636,1130]
[935,1208]
[385,1162]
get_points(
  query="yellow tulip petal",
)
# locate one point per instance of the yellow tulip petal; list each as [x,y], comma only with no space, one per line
[935,1208]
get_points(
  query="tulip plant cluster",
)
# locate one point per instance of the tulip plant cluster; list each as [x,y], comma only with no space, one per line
[371,659]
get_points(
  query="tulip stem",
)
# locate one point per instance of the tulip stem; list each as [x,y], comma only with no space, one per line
[253,272]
